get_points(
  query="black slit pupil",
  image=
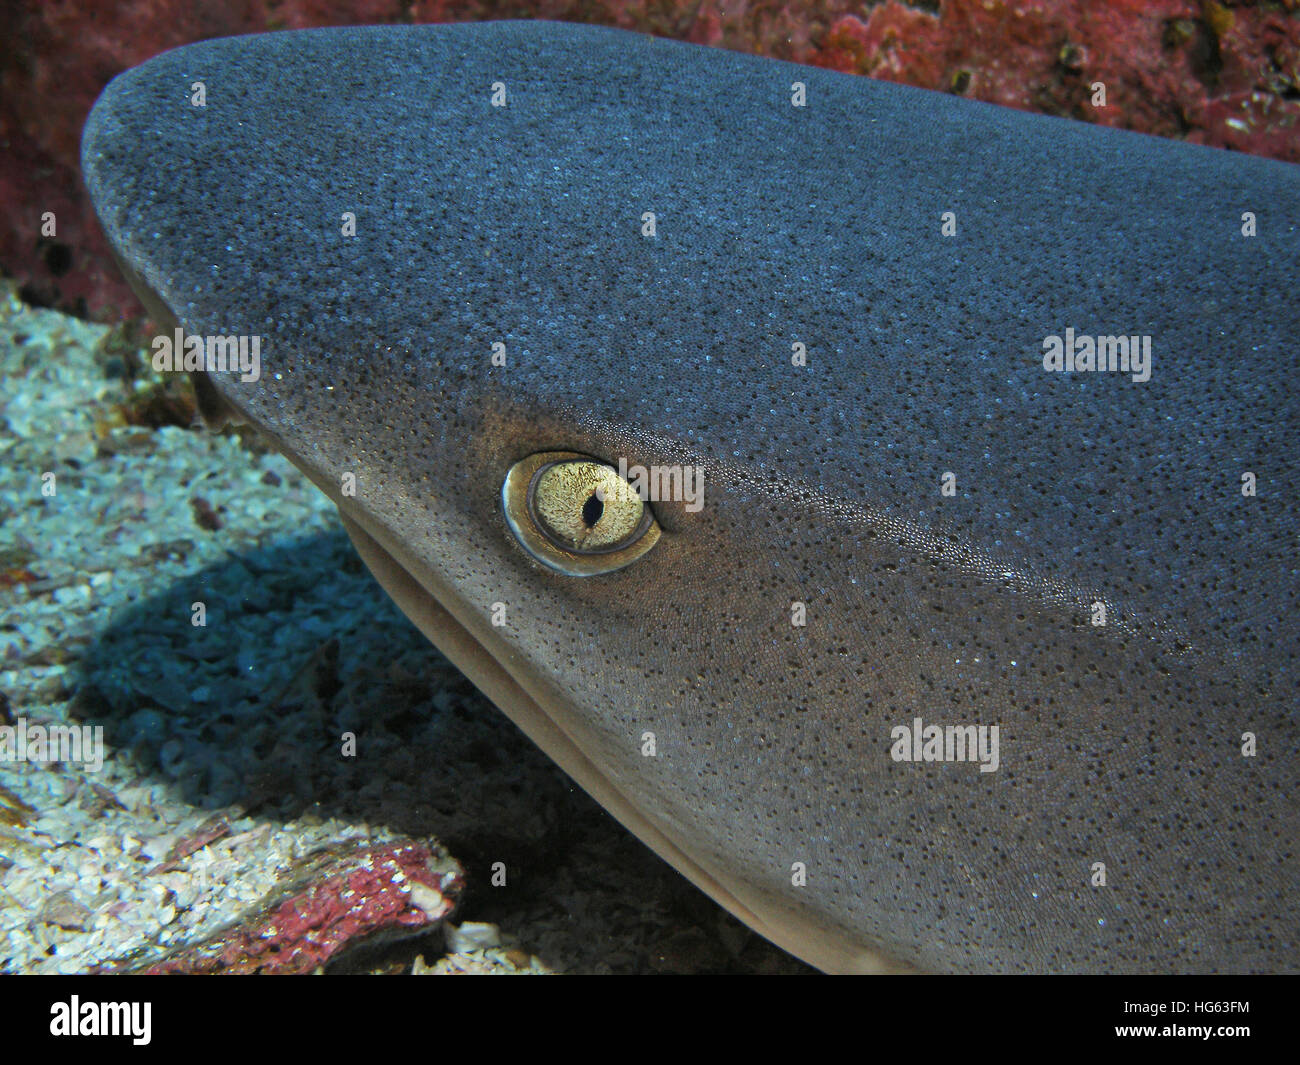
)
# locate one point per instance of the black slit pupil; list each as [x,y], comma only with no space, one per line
[592,510]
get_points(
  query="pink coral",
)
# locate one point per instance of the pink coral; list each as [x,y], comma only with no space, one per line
[69,52]
[331,903]
[1213,74]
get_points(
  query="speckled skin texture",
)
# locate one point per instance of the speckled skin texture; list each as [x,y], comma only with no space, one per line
[775,224]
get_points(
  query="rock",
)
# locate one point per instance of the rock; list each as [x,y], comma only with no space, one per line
[63,910]
[472,935]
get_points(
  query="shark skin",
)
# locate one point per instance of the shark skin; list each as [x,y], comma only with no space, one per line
[1100,564]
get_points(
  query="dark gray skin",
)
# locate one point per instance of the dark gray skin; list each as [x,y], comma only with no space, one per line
[1119,743]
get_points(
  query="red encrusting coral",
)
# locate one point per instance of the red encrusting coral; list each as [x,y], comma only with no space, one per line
[331,903]
[1225,74]
[1212,74]
[60,55]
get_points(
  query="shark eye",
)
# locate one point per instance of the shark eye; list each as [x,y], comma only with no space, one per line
[575,513]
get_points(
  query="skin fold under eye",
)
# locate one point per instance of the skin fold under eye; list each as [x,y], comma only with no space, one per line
[575,514]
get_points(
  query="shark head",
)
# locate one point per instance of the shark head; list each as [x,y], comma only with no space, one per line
[721,440]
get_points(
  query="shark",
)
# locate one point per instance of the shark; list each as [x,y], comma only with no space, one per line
[882,502]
